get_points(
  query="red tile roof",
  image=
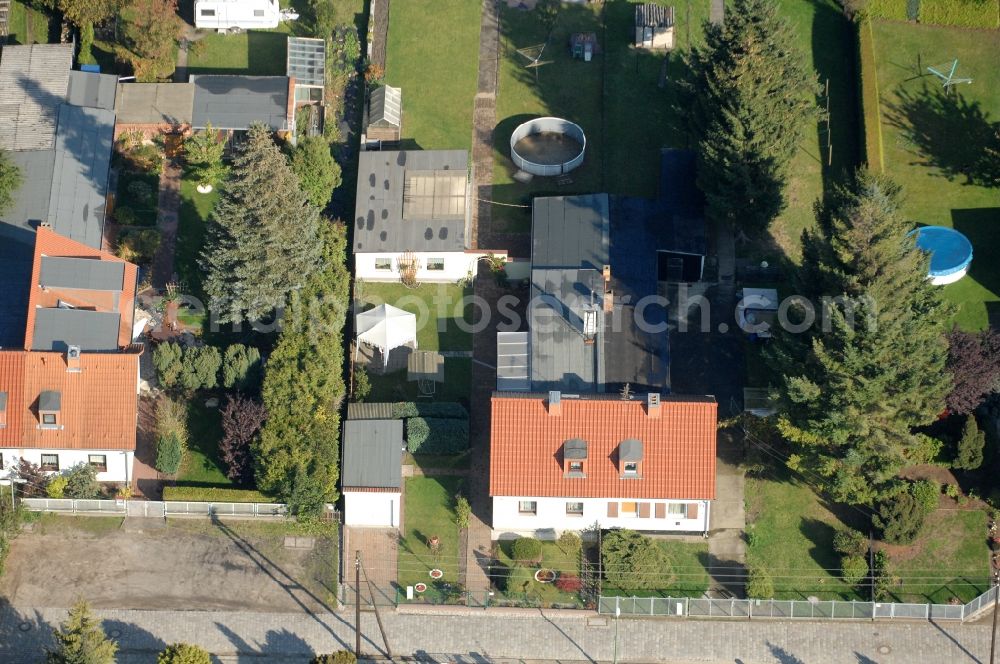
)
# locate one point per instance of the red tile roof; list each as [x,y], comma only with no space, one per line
[678,447]
[50,243]
[97,404]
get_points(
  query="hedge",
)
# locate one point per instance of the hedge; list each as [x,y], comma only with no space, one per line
[433,435]
[961,13]
[896,10]
[214,494]
[442,409]
[871,114]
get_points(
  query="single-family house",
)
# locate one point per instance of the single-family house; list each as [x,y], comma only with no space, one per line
[371,477]
[570,461]
[654,26]
[69,372]
[412,216]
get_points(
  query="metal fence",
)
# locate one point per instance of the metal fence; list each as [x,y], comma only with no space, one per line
[685,607]
[156,508]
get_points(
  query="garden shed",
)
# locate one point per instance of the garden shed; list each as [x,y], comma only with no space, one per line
[373,472]
[654,26]
[385,114]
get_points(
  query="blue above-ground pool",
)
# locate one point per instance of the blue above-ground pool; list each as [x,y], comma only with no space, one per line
[951,253]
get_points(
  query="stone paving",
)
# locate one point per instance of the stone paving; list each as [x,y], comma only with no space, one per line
[502,634]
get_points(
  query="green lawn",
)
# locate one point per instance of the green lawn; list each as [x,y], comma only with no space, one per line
[439,461]
[438,308]
[932,142]
[518,581]
[828,40]
[952,560]
[790,531]
[687,562]
[395,387]
[192,222]
[428,504]
[433,55]
[201,459]
[255,52]
[26,25]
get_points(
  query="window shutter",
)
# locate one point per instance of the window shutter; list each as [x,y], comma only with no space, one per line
[692,511]
[661,511]
[643,510]
[612,510]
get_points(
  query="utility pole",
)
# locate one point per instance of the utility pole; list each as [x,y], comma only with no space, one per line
[357,604]
[996,606]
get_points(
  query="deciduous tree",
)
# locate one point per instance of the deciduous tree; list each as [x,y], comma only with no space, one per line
[974,365]
[263,239]
[318,173]
[873,365]
[242,419]
[203,152]
[747,100]
[151,32]
[80,640]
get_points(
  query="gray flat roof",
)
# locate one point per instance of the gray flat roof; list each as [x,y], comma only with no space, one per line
[154,103]
[430,220]
[306,61]
[92,89]
[31,200]
[237,102]
[85,273]
[55,329]
[373,454]
[80,173]
[15,274]
[570,231]
[33,83]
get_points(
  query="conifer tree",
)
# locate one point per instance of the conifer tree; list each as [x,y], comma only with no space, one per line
[262,240]
[746,102]
[852,395]
[80,640]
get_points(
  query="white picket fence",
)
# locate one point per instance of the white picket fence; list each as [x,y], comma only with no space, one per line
[155,508]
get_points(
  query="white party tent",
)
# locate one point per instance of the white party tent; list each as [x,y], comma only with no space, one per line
[385,327]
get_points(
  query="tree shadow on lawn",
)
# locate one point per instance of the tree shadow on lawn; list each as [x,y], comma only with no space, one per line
[982,227]
[948,132]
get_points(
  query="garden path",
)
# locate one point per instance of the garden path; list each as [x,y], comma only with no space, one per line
[168,206]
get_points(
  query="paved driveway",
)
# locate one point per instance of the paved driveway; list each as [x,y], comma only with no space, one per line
[190,564]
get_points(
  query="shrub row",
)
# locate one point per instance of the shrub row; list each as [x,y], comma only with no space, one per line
[961,13]
[442,409]
[435,435]
[212,494]
[871,115]
[895,10]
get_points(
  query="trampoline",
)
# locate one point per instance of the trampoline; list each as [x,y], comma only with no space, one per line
[951,253]
[547,146]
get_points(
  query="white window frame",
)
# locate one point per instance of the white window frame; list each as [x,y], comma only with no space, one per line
[42,464]
[383,264]
[100,467]
[527,507]
[634,470]
[435,264]
[677,510]
[574,512]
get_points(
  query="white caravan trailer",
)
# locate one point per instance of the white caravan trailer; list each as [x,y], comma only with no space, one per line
[225,15]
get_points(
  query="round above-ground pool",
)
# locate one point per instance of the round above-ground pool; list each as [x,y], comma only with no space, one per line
[951,253]
[548,146]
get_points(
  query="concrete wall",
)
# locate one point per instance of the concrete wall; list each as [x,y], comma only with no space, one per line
[119,462]
[371,508]
[551,515]
[457,265]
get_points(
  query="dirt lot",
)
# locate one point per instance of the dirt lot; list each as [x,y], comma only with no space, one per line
[185,564]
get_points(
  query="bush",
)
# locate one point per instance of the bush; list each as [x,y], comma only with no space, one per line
[952,491]
[569,583]
[125,215]
[35,479]
[169,454]
[462,512]
[900,518]
[213,494]
[81,482]
[171,419]
[362,384]
[436,435]
[144,158]
[86,56]
[927,493]
[242,368]
[201,367]
[168,362]
[141,191]
[318,173]
[137,245]
[184,653]
[759,582]
[632,561]
[854,569]
[923,449]
[850,543]
[961,13]
[56,487]
[526,550]
[569,542]
[895,10]
[970,445]
[339,657]
[438,409]
[884,579]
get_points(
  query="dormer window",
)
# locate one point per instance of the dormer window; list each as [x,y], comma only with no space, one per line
[630,458]
[49,408]
[575,458]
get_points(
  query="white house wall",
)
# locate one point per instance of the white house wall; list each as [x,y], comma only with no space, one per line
[457,266]
[371,508]
[119,462]
[551,516]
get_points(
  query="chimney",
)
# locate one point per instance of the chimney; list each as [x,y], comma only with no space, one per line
[555,405]
[73,359]
[653,405]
